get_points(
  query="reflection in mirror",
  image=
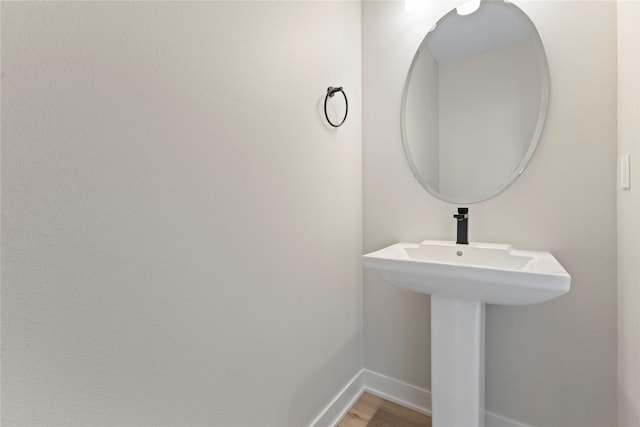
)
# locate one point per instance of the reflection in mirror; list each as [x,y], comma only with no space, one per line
[475,102]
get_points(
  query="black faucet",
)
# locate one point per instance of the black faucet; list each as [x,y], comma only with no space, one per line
[462,219]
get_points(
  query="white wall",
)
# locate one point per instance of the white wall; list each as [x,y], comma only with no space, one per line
[489,118]
[422,117]
[181,232]
[551,364]
[629,216]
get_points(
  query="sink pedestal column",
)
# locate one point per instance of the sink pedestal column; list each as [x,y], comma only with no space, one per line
[457,362]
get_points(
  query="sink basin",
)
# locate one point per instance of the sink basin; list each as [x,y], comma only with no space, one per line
[485,272]
[461,280]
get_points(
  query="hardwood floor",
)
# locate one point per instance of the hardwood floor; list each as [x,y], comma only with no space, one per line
[374,411]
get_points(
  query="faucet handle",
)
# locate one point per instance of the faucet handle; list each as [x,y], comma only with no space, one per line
[463,213]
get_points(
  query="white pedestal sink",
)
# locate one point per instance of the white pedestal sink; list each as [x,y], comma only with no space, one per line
[461,280]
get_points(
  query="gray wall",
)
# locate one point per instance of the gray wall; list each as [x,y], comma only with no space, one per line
[628,214]
[552,364]
[506,86]
[181,232]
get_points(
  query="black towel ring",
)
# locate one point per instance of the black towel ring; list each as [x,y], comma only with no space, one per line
[330,92]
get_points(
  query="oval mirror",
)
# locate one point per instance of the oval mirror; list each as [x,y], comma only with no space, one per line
[475,102]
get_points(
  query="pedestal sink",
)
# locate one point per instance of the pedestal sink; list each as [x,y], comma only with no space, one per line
[461,279]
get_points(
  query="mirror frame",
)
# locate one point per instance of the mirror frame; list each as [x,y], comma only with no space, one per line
[537,133]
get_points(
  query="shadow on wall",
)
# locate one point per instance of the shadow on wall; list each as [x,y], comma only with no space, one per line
[626,401]
[325,378]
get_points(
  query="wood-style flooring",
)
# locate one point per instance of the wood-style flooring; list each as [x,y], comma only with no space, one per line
[374,411]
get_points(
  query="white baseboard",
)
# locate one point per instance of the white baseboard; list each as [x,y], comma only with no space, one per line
[340,405]
[402,393]
[495,420]
[407,395]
